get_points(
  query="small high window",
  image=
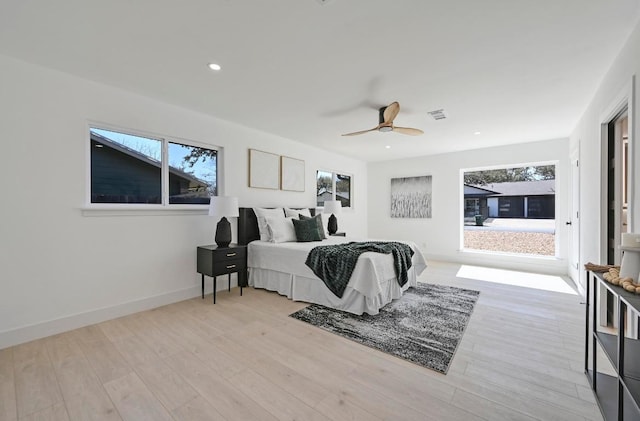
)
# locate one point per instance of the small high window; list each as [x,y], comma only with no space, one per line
[132,169]
[333,186]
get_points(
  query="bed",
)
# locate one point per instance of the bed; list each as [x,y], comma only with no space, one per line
[281,267]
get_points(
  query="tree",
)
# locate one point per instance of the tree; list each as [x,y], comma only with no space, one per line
[547,172]
[481,178]
[343,183]
[326,182]
[197,153]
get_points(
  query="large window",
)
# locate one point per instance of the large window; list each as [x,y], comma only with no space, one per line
[333,186]
[134,169]
[510,210]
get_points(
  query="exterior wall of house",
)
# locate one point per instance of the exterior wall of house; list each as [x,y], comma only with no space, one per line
[120,178]
[511,207]
[534,207]
[492,204]
[543,207]
[508,204]
[64,267]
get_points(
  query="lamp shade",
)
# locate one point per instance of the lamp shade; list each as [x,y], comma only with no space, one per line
[332,206]
[223,206]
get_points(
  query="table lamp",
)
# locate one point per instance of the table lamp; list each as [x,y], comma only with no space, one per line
[332,207]
[223,206]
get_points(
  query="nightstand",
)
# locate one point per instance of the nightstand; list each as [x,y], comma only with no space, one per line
[215,261]
[339,234]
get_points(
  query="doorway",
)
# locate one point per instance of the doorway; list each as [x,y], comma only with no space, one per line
[616,195]
[617,177]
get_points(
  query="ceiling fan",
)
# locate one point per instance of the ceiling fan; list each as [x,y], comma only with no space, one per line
[386,116]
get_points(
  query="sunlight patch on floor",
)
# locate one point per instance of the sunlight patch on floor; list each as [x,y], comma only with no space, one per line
[520,279]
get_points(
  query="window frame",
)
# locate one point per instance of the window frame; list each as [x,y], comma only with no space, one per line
[334,179]
[99,209]
[558,176]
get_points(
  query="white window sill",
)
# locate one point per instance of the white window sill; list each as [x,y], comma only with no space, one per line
[143,210]
[506,254]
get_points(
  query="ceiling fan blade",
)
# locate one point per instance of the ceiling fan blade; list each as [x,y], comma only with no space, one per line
[360,132]
[408,130]
[391,112]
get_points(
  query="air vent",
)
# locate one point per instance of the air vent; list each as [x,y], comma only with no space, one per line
[437,114]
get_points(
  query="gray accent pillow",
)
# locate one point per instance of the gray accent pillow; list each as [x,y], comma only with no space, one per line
[318,219]
[306,230]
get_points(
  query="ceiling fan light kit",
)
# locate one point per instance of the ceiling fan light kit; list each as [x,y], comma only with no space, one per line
[385,119]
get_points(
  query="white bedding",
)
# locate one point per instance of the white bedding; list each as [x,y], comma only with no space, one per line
[281,267]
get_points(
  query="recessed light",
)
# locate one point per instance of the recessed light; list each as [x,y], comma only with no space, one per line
[388,146]
[214,66]
[476,133]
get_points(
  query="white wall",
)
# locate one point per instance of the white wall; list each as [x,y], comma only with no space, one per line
[616,87]
[439,237]
[61,269]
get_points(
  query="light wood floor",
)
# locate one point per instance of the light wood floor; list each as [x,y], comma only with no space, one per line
[244,359]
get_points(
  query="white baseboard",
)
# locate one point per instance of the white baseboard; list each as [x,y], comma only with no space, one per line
[40,330]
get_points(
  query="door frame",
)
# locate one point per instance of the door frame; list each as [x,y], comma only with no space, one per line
[624,99]
[574,252]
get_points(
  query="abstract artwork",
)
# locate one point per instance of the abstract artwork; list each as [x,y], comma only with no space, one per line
[411,197]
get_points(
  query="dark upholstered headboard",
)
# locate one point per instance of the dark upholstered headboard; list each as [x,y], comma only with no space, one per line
[248,225]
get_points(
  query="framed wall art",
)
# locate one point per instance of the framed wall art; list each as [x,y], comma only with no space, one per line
[411,197]
[264,170]
[291,174]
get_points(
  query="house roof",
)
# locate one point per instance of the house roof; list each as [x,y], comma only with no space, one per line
[476,190]
[519,188]
[144,158]
[343,195]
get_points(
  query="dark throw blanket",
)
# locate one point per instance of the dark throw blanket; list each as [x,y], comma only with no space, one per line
[334,264]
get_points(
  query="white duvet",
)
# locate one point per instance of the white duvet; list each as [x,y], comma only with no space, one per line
[281,267]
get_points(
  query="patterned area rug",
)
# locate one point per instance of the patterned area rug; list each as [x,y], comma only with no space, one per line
[424,326]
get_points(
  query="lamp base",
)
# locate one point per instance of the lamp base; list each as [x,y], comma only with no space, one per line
[223,233]
[332,226]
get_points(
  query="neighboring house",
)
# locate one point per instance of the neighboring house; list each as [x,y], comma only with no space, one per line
[519,199]
[124,175]
[343,197]
[325,194]
[475,200]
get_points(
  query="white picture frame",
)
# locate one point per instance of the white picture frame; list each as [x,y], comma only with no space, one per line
[264,170]
[291,174]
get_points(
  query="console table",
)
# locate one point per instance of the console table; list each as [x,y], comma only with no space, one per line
[612,352]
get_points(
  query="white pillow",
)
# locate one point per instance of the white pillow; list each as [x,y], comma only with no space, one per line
[295,212]
[261,214]
[281,229]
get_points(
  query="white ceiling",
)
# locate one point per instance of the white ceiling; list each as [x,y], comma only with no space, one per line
[514,70]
